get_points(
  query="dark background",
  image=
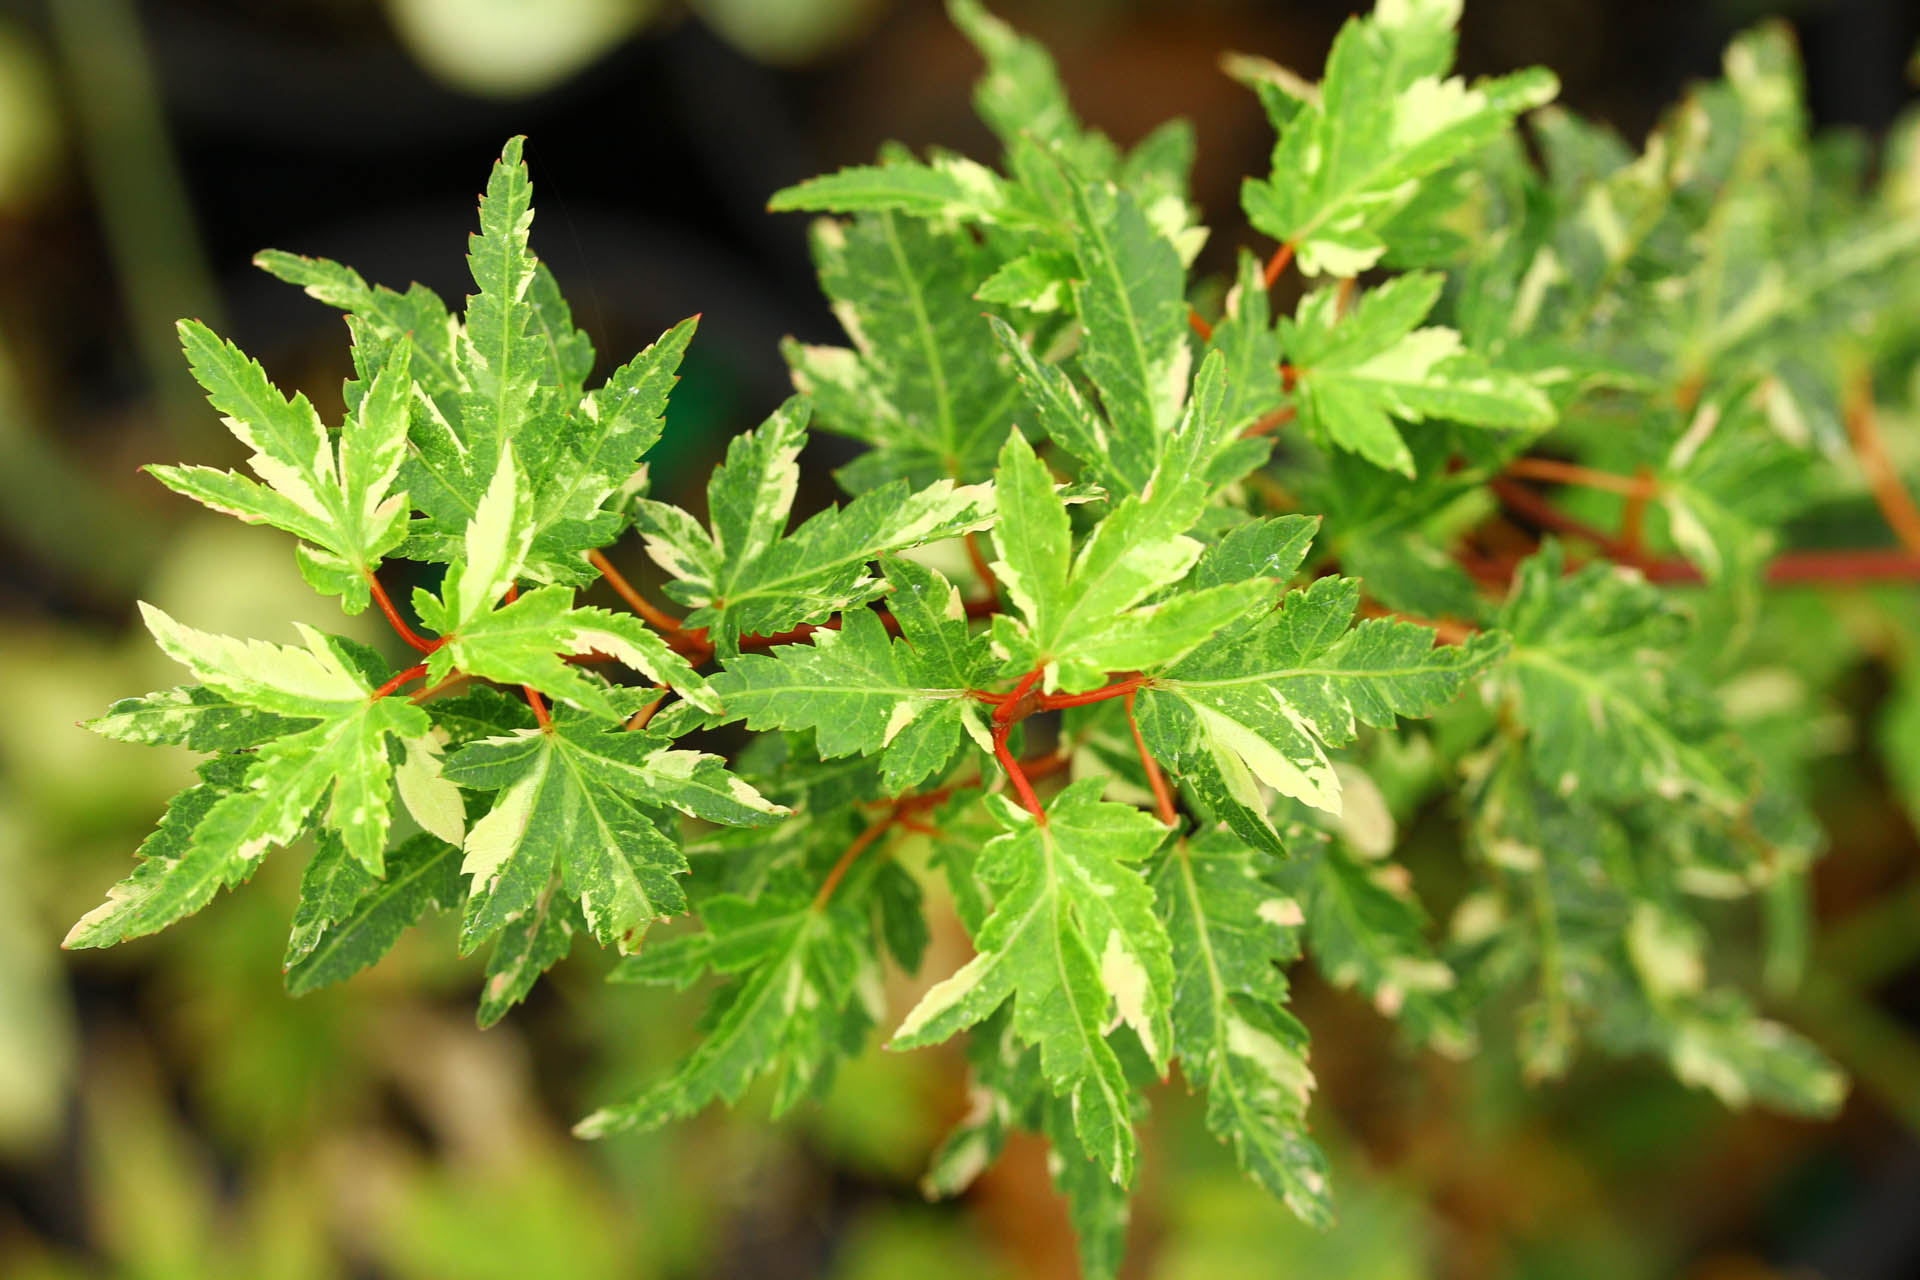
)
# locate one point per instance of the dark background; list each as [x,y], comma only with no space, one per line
[164,143]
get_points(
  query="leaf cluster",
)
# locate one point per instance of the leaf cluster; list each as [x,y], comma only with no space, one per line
[1262,586]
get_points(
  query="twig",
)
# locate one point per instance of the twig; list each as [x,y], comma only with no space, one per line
[1271,422]
[644,716]
[1122,687]
[1162,797]
[398,623]
[1524,501]
[1016,707]
[399,678]
[686,641]
[1896,504]
[859,846]
[1640,486]
[1276,264]
[981,568]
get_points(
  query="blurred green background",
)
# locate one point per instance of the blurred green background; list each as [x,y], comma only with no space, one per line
[166,1111]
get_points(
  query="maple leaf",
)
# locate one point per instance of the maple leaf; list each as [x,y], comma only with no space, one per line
[1232,929]
[1082,613]
[749,575]
[862,692]
[338,502]
[1343,166]
[806,989]
[1356,374]
[1072,934]
[917,384]
[581,796]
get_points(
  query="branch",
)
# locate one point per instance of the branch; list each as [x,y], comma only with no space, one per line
[1524,501]
[1016,707]
[1790,568]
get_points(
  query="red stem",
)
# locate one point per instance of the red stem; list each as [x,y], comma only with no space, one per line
[399,678]
[1271,422]
[644,716]
[1277,263]
[860,844]
[1017,775]
[678,636]
[1198,323]
[399,624]
[1640,486]
[1895,503]
[1162,796]
[1008,713]
[534,699]
[1123,687]
[982,568]
[1526,502]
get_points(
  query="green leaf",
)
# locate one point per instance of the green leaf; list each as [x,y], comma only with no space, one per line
[332,883]
[1096,1204]
[797,1005]
[747,576]
[1072,934]
[528,947]
[524,643]
[178,873]
[582,795]
[339,504]
[1021,94]
[586,483]
[417,316]
[1259,702]
[495,549]
[1355,376]
[1350,157]
[501,355]
[1898,738]
[949,189]
[918,385]
[1366,929]
[1594,688]
[343,755]
[1081,615]
[422,872]
[1133,309]
[865,694]
[1232,931]
[191,716]
[1246,339]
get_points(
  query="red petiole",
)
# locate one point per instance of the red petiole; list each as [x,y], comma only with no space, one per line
[399,624]
[399,678]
